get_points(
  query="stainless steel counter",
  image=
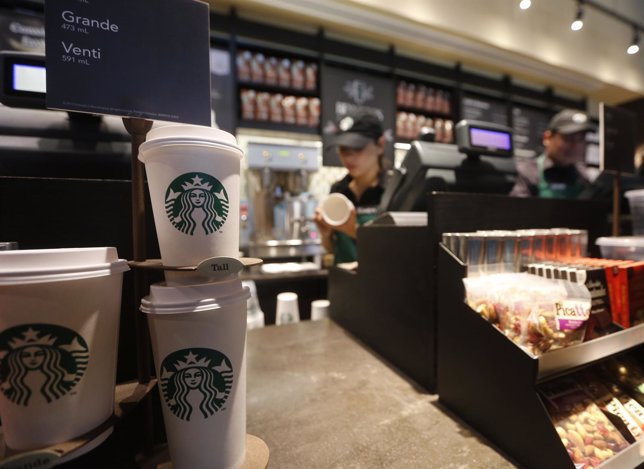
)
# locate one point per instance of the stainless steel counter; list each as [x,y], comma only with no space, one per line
[321,400]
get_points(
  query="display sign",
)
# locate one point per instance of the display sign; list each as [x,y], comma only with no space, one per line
[222,90]
[484,109]
[616,139]
[133,58]
[528,126]
[345,93]
[21,32]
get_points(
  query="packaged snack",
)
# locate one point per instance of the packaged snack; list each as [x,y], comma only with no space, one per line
[538,314]
[311,76]
[297,74]
[589,437]
[401,91]
[420,96]
[284,73]
[609,399]
[270,71]
[314,112]
[262,106]
[257,68]
[302,110]
[288,109]
[248,99]
[275,111]
[243,65]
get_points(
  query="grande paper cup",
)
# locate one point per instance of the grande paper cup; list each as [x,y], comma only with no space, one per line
[59,319]
[198,340]
[193,178]
[336,209]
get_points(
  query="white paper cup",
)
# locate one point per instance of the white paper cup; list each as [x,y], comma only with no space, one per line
[199,339]
[193,178]
[336,209]
[287,310]
[319,309]
[59,317]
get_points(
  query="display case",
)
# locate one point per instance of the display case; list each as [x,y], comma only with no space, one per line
[493,384]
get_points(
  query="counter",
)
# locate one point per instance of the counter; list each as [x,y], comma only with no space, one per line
[322,400]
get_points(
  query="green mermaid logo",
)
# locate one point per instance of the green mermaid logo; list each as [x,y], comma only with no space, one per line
[40,360]
[196,200]
[196,378]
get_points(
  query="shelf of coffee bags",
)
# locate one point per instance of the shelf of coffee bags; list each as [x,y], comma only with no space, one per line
[493,384]
[279,89]
[126,397]
[277,126]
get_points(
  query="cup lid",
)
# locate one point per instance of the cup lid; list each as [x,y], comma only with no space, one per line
[177,134]
[165,299]
[52,265]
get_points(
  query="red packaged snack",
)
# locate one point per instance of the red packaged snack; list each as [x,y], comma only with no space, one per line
[243,65]
[314,112]
[311,76]
[302,111]
[262,106]
[248,98]
[284,73]
[275,111]
[270,71]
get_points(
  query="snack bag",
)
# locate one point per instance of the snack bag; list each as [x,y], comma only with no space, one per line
[611,400]
[538,314]
[589,437]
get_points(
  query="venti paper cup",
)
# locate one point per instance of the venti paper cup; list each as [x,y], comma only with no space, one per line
[59,319]
[193,177]
[198,337]
[336,209]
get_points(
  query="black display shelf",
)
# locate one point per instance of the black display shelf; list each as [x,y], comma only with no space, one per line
[279,127]
[274,89]
[425,112]
[491,383]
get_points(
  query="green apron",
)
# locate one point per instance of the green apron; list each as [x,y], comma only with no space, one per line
[345,249]
[556,190]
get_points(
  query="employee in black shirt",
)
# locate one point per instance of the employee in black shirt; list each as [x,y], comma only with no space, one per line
[559,172]
[360,144]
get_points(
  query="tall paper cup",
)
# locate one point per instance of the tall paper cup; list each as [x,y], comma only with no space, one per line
[193,178]
[59,319]
[199,339]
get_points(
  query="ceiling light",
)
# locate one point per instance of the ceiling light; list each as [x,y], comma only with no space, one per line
[525,4]
[579,19]
[634,48]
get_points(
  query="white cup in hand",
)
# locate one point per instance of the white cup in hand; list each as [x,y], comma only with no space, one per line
[336,209]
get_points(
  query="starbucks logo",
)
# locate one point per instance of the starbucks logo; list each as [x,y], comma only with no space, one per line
[195,202]
[196,378]
[40,360]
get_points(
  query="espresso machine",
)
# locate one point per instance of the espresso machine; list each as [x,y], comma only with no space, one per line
[280,205]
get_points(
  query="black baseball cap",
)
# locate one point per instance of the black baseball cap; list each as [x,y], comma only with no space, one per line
[570,121]
[357,131]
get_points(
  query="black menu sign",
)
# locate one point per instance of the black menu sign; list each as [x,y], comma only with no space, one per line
[528,126]
[617,139]
[134,58]
[345,93]
[484,109]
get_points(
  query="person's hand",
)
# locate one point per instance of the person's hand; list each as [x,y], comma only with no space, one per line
[350,227]
[324,229]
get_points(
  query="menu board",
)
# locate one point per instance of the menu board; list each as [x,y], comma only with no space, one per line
[222,90]
[22,32]
[528,126]
[345,93]
[133,58]
[483,108]
[616,139]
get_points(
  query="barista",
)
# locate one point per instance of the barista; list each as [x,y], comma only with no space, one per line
[360,144]
[559,172]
